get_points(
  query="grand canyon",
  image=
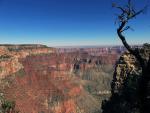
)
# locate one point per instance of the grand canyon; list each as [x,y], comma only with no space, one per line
[74,56]
[42,79]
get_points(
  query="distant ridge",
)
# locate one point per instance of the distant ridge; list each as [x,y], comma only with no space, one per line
[25,45]
[94,46]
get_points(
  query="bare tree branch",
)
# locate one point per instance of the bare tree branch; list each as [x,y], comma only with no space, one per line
[126,28]
[127,14]
[136,13]
[119,32]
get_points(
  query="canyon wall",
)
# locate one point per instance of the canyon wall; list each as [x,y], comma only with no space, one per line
[47,80]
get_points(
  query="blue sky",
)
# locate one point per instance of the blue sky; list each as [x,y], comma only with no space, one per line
[67,22]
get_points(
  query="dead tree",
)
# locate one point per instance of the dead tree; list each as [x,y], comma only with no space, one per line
[127,14]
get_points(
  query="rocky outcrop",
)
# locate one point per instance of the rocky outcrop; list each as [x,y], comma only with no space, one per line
[127,65]
[9,64]
[10,55]
[126,95]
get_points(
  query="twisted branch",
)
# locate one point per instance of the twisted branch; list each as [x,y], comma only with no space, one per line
[127,14]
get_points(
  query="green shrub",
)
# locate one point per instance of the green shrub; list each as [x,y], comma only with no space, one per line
[7,106]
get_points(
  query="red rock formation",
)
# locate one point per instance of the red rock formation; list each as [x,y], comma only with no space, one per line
[45,80]
[9,60]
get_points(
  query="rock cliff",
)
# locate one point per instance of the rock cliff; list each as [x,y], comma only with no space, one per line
[46,80]
[10,55]
[125,87]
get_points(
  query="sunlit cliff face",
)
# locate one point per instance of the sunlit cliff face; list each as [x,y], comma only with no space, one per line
[42,80]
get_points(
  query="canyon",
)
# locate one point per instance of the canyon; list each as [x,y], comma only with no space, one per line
[42,79]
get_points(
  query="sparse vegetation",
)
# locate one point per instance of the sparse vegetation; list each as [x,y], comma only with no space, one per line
[20,73]
[4,57]
[7,106]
